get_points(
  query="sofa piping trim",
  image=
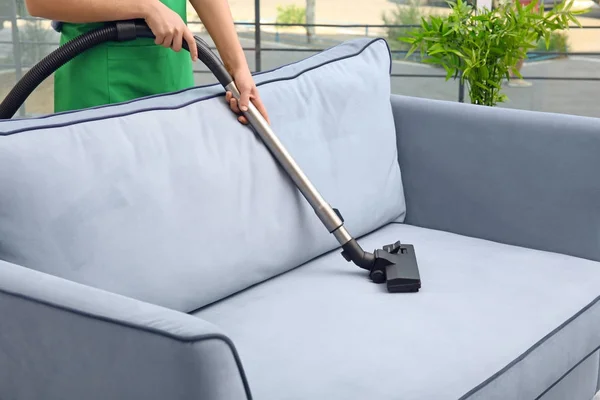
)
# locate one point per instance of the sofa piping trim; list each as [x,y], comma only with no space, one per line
[191,339]
[568,372]
[183,90]
[528,351]
[598,381]
[183,105]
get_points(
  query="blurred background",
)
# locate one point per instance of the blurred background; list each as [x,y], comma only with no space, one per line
[566,78]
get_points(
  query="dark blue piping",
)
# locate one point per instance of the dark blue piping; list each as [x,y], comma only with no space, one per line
[529,351]
[191,88]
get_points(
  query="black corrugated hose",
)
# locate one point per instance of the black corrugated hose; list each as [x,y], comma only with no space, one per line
[114,31]
[36,75]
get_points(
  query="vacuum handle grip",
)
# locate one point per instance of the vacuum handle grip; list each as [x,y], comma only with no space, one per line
[205,54]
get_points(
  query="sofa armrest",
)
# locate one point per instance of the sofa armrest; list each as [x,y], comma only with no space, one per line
[63,340]
[518,177]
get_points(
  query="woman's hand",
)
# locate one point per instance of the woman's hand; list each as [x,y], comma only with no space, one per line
[248,92]
[217,19]
[169,29]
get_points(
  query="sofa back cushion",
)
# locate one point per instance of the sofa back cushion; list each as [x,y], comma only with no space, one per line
[170,200]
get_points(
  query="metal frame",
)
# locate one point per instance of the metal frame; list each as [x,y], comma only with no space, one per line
[259,49]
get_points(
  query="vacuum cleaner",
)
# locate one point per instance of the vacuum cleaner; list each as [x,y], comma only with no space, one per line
[394,264]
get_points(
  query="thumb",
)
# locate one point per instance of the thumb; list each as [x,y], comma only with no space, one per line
[244,99]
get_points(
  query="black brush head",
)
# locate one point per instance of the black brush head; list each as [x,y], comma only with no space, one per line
[397,266]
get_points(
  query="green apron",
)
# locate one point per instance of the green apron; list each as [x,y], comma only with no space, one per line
[114,72]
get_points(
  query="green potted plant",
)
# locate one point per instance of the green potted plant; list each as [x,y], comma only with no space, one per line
[290,14]
[483,46]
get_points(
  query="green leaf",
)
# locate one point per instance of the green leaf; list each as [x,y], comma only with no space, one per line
[457,52]
[574,20]
[484,72]
[436,48]
[449,71]
[411,50]
[480,85]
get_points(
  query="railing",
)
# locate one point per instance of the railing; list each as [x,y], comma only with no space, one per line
[259,49]
[461,89]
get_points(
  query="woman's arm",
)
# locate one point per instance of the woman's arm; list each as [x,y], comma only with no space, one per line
[216,17]
[166,25]
[170,31]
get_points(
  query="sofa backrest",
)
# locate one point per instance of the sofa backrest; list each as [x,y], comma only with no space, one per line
[521,177]
[169,199]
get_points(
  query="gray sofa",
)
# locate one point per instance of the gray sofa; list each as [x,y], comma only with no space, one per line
[154,250]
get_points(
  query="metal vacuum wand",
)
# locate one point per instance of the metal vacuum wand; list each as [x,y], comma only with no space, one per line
[329,216]
[395,264]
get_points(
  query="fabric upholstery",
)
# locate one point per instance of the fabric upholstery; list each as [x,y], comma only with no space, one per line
[581,383]
[513,176]
[60,340]
[491,321]
[171,201]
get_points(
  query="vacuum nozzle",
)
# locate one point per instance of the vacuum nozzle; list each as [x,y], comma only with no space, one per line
[396,264]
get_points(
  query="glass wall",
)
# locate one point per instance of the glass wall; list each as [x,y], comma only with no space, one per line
[565,79]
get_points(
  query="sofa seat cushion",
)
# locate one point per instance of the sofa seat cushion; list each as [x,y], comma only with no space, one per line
[492,321]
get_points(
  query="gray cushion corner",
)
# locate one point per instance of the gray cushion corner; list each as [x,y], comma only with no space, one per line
[63,340]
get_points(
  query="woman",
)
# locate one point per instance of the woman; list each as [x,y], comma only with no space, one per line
[119,71]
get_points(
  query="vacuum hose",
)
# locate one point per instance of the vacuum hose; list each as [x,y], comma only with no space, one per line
[116,31]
